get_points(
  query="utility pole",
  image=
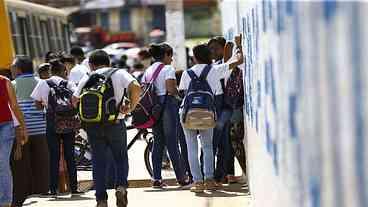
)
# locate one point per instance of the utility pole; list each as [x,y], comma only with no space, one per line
[175,32]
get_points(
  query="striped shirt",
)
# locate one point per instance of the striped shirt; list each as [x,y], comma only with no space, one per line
[35,119]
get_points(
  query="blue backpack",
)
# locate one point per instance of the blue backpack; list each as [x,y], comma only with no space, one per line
[199,111]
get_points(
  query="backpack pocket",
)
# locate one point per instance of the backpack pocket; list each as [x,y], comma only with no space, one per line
[91,111]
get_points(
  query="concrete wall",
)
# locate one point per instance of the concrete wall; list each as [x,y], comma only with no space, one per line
[307,110]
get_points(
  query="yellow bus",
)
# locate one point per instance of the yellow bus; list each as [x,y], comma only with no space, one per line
[30,29]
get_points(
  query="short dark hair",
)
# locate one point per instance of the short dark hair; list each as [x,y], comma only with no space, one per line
[57,67]
[157,52]
[144,54]
[168,49]
[67,59]
[99,58]
[202,54]
[49,56]
[24,64]
[77,52]
[219,40]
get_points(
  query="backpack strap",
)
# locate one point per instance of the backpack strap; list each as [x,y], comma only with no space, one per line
[109,73]
[51,84]
[63,83]
[205,72]
[192,75]
[155,74]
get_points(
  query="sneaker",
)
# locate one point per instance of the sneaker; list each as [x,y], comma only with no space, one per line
[211,185]
[231,179]
[185,185]
[121,197]
[102,203]
[198,187]
[77,193]
[158,184]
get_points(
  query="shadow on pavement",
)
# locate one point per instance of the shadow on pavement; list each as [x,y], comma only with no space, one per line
[218,193]
[73,198]
[164,190]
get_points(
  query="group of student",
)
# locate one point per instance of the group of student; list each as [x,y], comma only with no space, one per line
[74,80]
[27,118]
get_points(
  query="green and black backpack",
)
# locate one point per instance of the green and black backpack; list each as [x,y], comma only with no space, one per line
[97,101]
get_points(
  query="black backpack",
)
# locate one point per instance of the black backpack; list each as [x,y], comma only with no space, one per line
[97,101]
[148,110]
[60,107]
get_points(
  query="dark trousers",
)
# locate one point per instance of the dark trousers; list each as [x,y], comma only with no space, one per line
[222,148]
[54,141]
[165,134]
[102,138]
[31,172]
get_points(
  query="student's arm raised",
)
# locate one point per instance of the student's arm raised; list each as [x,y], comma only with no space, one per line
[238,58]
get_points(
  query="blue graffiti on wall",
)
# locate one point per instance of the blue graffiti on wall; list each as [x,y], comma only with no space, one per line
[280,16]
[329,9]
[264,16]
[289,8]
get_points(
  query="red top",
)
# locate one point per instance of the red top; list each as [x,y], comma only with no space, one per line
[5,114]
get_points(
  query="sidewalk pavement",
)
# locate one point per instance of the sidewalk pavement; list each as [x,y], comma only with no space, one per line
[229,196]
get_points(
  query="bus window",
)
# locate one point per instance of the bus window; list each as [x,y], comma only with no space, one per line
[36,36]
[30,37]
[66,37]
[45,37]
[58,35]
[23,35]
[18,36]
[13,31]
[40,43]
[52,35]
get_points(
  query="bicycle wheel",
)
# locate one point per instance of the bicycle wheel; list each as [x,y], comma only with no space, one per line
[148,157]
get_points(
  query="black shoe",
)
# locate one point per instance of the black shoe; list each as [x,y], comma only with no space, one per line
[76,193]
[49,194]
[121,197]
[158,184]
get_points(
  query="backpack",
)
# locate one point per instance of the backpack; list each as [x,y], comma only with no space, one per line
[148,110]
[199,111]
[234,90]
[97,101]
[60,107]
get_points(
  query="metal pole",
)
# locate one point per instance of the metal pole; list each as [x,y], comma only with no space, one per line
[175,32]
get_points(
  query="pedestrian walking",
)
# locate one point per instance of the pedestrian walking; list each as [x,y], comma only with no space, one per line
[198,113]
[61,123]
[165,130]
[108,129]
[31,170]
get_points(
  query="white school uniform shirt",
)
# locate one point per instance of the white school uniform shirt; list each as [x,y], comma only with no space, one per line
[78,72]
[226,76]
[121,80]
[42,89]
[216,73]
[167,73]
